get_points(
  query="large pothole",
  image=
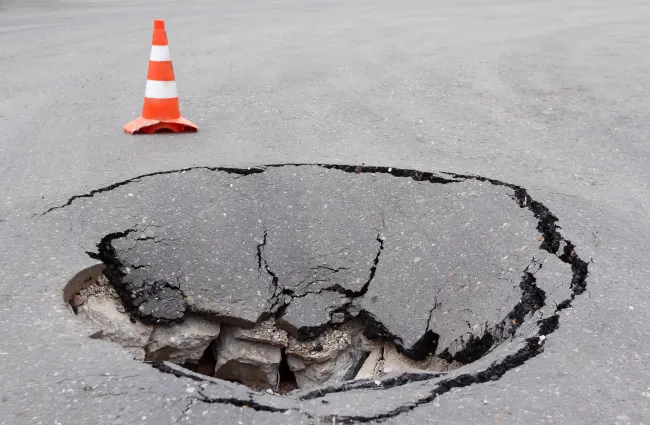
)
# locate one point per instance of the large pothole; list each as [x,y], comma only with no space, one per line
[303,276]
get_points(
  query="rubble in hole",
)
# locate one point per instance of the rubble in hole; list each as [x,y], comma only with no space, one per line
[100,305]
[255,363]
[262,357]
[448,271]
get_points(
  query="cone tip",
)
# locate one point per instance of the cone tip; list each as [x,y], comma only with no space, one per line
[159,24]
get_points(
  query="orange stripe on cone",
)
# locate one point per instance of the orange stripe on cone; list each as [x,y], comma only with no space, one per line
[161,71]
[161,108]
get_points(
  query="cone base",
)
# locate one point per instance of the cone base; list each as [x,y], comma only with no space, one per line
[143,125]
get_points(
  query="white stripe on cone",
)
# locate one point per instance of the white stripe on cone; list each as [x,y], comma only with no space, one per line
[161,89]
[159,54]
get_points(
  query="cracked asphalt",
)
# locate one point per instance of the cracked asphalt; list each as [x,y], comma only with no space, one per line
[547,95]
[318,239]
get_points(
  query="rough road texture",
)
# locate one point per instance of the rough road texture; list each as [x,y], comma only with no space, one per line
[551,95]
[455,254]
[465,257]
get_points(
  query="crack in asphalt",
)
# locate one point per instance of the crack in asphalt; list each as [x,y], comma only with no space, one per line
[279,293]
[276,290]
[348,292]
[392,382]
[532,299]
[138,296]
[241,171]
[476,346]
[249,403]
[351,295]
[552,240]
[187,408]
[435,305]
[496,370]
[331,269]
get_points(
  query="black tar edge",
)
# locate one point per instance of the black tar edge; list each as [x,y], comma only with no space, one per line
[532,298]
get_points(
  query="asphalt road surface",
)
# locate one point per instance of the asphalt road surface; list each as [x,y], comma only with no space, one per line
[548,95]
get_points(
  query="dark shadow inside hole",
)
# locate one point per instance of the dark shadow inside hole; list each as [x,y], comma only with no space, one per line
[207,362]
[205,365]
[191,365]
[287,378]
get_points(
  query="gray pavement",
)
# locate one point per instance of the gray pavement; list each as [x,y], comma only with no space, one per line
[548,95]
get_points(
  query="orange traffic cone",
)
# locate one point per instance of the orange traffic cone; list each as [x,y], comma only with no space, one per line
[160,110]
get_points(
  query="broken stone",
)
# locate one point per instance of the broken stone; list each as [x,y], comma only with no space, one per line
[449,282]
[100,305]
[385,358]
[306,316]
[252,363]
[186,341]
[265,332]
[339,368]
[338,317]
[331,342]
[371,366]
[334,356]
[396,362]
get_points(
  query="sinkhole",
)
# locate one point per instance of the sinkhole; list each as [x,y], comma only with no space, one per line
[294,277]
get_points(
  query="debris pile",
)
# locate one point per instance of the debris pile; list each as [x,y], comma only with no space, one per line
[252,356]
[330,274]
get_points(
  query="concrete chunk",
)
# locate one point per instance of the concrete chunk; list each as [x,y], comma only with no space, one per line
[182,342]
[252,363]
[100,305]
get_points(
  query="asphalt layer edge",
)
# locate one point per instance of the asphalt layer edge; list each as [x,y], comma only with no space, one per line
[552,242]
